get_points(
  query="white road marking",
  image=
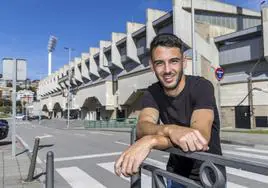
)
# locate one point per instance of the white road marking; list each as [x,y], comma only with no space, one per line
[248,175]
[79,134]
[106,134]
[77,178]
[146,181]
[253,150]
[121,143]
[26,146]
[44,136]
[86,156]
[249,155]
[234,185]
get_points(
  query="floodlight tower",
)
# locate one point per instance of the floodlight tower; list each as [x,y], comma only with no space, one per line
[51,47]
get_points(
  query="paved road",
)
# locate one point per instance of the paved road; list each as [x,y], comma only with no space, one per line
[84,158]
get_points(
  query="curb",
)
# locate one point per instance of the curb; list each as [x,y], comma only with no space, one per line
[236,143]
[26,146]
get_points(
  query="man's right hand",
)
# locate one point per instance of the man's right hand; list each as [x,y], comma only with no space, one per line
[188,139]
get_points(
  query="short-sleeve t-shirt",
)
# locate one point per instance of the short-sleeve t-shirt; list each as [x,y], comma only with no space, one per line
[198,93]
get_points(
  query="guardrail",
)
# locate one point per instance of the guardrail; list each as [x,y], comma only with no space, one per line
[113,123]
[209,167]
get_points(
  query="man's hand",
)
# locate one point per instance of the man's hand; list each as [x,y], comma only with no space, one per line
[187,138]
[130,160]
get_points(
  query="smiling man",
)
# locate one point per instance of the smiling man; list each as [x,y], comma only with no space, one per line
[186,107]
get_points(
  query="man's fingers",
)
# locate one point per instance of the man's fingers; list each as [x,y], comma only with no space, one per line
[135,167]
[124,165]
[190,143]
[201,138]
[183,144]
[117,165]
[130,166]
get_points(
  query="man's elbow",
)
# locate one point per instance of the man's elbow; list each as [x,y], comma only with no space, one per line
[139,133]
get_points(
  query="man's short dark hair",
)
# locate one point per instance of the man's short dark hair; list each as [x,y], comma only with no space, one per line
[166,40]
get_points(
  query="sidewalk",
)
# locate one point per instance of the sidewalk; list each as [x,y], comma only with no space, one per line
[13,171]
[235,136]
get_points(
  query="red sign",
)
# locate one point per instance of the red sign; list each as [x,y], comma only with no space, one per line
[219,73]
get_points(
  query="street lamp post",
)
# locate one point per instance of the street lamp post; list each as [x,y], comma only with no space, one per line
[193,39]
[69,85]
[39,96]
[51,47]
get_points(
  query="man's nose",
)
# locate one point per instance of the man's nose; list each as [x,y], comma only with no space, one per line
[167,68]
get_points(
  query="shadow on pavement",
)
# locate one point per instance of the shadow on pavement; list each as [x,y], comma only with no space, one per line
[45,146]
[5,143]
[26,150]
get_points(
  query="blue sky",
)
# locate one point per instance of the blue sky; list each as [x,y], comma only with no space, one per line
[27,24]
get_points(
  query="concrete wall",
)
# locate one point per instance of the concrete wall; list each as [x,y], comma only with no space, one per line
[251,50]
[102,91]
[131,46]
[151,15]
[129,84]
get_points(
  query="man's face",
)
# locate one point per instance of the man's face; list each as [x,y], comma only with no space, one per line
[167,63]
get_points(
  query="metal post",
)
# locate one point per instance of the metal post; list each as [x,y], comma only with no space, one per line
[250,102]
[219,100]
[33,160]
[49,62]
[193,40]
[68,96]
[50,170]
[14,108]
[135,180]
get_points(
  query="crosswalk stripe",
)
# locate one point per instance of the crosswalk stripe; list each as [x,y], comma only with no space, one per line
[146,181]
[77,178]
[106,134]
[86,156]
[253,150]
[234,185]
[121,143]
[249,155]
[248,175]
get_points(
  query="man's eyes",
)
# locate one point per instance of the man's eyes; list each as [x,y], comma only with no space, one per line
[159,63]
[171,61]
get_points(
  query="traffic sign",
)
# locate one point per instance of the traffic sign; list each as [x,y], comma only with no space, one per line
[219,73]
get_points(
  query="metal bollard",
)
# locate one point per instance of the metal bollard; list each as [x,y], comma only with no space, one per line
[50,170]
[135,180]
[33,160]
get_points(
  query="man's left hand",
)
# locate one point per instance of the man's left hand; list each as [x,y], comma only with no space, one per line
[130,160]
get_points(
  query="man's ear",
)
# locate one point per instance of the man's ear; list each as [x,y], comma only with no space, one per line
[151,65]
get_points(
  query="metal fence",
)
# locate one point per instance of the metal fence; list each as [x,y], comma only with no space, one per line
[208,169]
[113,123]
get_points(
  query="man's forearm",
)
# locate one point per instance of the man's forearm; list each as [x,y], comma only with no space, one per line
[148,128]
[159,142]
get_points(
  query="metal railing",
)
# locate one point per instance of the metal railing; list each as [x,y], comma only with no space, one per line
[113,123]
[208,168]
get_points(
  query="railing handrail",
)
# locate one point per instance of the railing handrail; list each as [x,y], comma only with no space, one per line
[209,161]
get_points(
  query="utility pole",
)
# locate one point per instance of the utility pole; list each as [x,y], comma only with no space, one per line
[193,39]
[69,85]
[14,108]
[250,102]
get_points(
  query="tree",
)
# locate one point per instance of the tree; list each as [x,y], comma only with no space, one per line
[9,84]
[18,88]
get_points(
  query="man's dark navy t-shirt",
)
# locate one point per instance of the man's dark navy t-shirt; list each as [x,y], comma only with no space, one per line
[198,93]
